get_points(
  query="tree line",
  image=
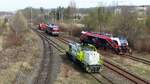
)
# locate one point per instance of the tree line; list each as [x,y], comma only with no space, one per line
[125,22]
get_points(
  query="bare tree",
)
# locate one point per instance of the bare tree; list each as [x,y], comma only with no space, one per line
[18,23]
[72,9]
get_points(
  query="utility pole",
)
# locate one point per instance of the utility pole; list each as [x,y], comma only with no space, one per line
[54,15]
[99,19]
[31,17]
[72,13]
[62,14]
[100,16]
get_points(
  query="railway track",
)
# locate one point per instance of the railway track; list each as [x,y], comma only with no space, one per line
[43,76]
[119,70]
[134,58]
[53,43]
[100,77]
[138,59]
[60,49]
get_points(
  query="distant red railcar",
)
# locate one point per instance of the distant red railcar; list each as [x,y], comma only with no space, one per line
[43,26]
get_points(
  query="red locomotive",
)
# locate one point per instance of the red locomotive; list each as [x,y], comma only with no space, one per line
[53,29]
[102,41]
[43,26]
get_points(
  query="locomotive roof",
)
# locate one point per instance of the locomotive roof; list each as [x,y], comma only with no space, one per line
[97,35]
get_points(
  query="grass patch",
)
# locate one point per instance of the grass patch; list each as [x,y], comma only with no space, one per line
[17,62]
[11,74]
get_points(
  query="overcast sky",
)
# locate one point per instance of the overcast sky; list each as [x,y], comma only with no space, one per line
[12,5]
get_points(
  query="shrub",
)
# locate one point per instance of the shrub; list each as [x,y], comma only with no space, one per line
[12,40]
[71,29]
[142,44]
[76,31]
[19,24]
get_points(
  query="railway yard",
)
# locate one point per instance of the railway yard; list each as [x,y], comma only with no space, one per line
[56,68]
[75,42]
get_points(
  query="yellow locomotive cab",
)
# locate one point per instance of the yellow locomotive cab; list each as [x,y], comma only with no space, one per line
[87,56]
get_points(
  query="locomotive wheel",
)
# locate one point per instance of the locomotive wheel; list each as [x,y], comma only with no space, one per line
[87,68]
[130,51]
[39,28]
[68,55]
[101,68]
[46,31]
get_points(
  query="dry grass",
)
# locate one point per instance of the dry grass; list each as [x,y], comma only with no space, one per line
[21,49]
[12,40]
[9,75]
[18,59]
[70,76]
